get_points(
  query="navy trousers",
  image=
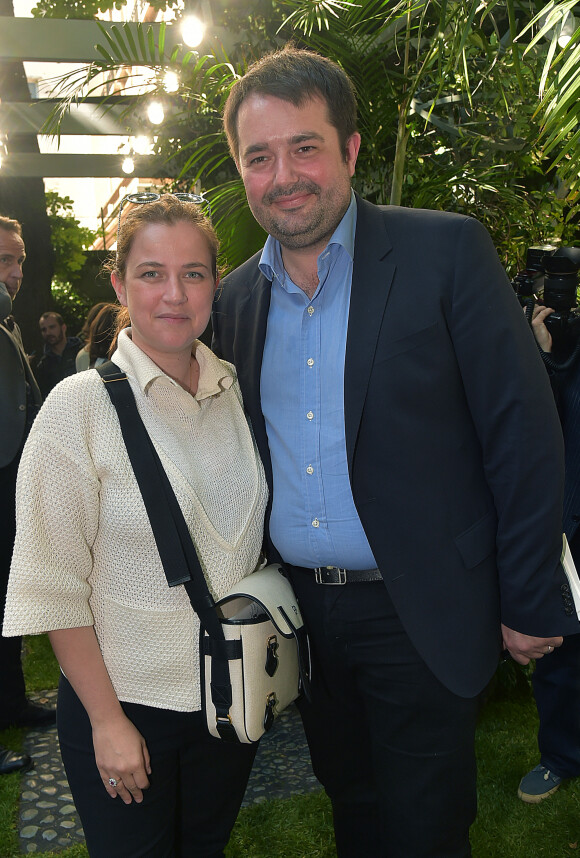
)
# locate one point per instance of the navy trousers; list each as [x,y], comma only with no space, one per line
[197,785]
[12,690]
[392,746]
[556,682]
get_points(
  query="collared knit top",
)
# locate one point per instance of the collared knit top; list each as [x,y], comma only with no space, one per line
[85,552]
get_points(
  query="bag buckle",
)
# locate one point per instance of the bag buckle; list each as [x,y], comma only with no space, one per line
[225,728]
[332,575]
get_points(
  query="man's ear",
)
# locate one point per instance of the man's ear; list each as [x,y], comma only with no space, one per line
[64,329]
[119,287]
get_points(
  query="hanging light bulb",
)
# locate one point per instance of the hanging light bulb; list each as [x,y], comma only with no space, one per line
[170,81]
[155,113]
[192,30]
[128,165]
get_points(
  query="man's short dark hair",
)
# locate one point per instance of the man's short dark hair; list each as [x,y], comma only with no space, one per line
[8,224]
[51,314]
[295,75]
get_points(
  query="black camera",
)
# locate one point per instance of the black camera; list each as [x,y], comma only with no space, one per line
[551,278]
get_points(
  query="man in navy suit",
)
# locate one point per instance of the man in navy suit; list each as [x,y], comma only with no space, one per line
[413,454]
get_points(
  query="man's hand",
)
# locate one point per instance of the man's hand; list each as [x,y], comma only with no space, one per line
[540,331]
[522,647]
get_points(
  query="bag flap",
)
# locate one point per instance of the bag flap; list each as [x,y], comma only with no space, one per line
[270,589]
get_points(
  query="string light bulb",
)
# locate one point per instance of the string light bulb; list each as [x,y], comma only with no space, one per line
[170,81]
[192,30]
[155,113]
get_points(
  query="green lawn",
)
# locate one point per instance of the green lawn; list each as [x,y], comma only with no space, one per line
[301,827]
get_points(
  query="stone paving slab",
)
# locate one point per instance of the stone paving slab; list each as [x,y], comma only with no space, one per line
[48,819]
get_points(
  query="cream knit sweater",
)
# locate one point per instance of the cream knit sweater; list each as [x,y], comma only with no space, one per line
[85,553]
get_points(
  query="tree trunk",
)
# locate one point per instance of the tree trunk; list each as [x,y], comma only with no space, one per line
[400,156]
[24,200]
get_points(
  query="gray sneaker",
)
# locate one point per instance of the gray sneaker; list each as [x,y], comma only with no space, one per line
[538,785]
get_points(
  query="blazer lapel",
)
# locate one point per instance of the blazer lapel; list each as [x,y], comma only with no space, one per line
[371,283]
[253,320]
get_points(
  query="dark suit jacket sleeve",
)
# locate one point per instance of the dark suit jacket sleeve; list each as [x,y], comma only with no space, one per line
[512,407]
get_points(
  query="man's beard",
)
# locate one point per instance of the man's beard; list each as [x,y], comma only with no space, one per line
[303,231]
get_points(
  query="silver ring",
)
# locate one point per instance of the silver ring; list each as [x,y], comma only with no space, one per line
[112,782]
[550,648]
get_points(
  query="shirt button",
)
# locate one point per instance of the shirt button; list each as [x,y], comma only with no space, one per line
[310,362]
[310,310]
[309,469]
[315,523]
[22,407]
[310,415]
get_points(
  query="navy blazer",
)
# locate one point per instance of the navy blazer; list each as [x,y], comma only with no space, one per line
[453,441]
[15,373]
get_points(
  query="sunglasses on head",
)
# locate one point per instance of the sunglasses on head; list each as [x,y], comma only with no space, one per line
[150,197]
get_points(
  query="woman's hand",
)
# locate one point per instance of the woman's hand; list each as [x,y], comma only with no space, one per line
[120,751]
[122,757]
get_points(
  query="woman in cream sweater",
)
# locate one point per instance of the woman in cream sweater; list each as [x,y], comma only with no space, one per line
[146,777]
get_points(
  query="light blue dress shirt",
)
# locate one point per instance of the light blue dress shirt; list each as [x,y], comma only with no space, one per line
[314,521]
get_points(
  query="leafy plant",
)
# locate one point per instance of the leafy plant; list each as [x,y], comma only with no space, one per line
[447,108]
[560,90]
[69,238]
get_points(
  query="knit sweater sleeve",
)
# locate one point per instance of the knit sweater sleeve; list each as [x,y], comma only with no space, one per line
[57,517]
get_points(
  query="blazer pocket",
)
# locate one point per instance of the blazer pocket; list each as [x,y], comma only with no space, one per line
[478,541]
[406,343]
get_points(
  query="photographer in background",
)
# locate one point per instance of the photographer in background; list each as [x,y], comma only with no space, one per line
[556,680]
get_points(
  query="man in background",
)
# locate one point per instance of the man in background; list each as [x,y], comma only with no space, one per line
[556,680]
[20,400]
[60,351]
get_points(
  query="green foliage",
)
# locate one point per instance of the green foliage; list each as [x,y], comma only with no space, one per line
[87,9]
[75,9]
[559,110]
[448,108]
[69,238]
[42,670]
[71,304]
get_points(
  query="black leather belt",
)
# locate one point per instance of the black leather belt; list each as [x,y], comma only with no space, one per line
[336,575]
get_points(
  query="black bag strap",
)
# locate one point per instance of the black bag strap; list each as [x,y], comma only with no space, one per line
[176,548]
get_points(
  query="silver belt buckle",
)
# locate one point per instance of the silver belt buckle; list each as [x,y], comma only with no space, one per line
[318,576]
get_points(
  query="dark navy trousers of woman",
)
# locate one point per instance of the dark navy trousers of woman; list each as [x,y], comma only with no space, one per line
[197,785]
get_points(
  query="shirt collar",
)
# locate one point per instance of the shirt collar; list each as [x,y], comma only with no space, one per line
[271,264]
[215,375]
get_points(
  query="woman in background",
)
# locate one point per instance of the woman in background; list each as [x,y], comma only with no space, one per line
[82,360]
[102,333]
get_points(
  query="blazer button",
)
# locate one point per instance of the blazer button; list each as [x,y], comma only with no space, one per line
[565,588]
[568,611]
